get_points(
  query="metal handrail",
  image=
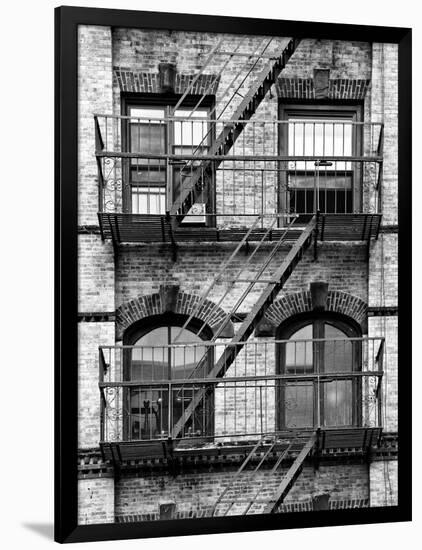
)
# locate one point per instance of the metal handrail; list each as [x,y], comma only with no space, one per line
[241,121]
[176,383]
[251,341]
[244,417]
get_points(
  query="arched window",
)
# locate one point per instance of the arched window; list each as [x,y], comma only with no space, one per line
[323,344]
[152,408]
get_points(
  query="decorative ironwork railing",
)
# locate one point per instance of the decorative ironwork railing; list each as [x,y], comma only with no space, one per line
[271,386]
[281,166]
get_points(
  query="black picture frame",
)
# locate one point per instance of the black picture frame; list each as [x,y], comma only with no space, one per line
[67,20]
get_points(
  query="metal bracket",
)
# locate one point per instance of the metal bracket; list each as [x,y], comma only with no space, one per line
[316,237]
[368,244]
[114,449]
[317,450]
[247,247]
[172,239]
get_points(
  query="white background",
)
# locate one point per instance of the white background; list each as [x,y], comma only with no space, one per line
[26,255]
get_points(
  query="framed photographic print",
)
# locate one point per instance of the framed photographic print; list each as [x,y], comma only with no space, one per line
[232,215]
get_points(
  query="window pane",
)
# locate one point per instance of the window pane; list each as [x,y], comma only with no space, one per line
[151,362]
[299,355]
[298,404]
[337,201]
[337,403]
[337,394]
[148,413]
[338,355]
[149,172]
[190,132]
[147,138]
[185,359]
[146,201]
[145,112]
[319,138]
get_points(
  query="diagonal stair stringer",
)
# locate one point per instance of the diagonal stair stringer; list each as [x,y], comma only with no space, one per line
[267,297]
[229,134]
[291,476]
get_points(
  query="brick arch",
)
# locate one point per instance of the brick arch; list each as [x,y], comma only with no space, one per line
[340,88]
[300,302]
[147,82]
[169,299]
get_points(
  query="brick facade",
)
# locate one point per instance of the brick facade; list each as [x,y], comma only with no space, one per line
[96,501]
[300,88]
[195,493]
[117,290]
[383,483]
[141,82]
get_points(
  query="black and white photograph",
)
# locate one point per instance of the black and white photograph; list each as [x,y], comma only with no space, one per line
[210,241]
[237,274]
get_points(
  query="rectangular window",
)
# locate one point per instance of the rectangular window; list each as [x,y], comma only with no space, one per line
[316,183]
[152,183]
[147,176]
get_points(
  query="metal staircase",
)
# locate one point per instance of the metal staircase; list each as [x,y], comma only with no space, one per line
[291,476]
[194,183]
[238,498]
[266,298]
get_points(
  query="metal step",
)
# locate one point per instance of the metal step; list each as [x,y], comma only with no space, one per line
[235,499]
[291,476]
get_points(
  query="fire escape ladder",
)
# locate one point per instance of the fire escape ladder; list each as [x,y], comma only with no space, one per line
[236,278]
[279,278]
[244,490]
[238,485]
[291,476]
[230,132]
[283,455]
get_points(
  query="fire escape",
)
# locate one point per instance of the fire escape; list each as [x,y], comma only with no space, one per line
[222,163]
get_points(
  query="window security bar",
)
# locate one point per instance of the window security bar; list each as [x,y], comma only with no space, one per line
[258,176]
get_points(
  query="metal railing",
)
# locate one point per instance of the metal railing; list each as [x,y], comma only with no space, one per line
[271,386]
[274,166]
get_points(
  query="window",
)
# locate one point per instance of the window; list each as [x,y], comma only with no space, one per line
[333,352]
[151,406]
[153,184]
[307,186]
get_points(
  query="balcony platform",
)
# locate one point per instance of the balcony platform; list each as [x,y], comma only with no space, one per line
[354,440]
[151,228]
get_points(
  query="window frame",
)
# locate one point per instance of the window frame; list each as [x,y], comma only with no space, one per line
[291,108]
[318,321]
[166,101]
[142,327]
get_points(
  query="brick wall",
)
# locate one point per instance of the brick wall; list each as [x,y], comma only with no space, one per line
[387,327]
[141,270]
[95,258]
[141,50]
[198,491]
[384,107]
[90,336]
[344,59]
[95,274]
[383,262]
[383,483]
[95,501]
[95,96]
[383,271]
